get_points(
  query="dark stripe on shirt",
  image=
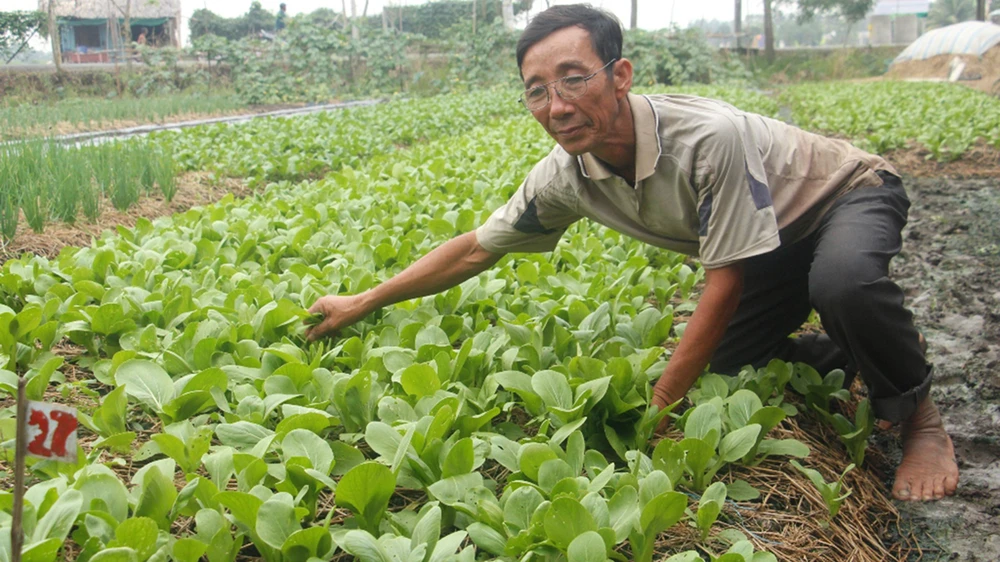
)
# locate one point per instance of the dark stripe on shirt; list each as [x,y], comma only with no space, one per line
[528,222]
[704,213]
[758,190]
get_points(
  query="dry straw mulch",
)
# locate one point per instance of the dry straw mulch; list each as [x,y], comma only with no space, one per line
[790,519]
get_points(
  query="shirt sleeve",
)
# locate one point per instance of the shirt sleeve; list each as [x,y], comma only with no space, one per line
[735,213]
[534,218]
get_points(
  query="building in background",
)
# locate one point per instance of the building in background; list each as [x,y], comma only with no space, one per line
[94,30]
[897,22]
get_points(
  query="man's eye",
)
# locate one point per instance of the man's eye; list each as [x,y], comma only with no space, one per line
[535,94]
[573,81]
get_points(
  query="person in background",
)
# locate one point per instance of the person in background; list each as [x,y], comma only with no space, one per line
[279,22]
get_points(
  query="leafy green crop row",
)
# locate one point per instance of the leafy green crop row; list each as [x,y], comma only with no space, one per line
[296,148]
[947,120]
[309,146]
[509,411]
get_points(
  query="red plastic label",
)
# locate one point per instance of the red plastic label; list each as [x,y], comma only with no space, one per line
[52,431]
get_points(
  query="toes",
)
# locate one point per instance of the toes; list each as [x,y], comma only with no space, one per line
[938,488]
[927,490]
[918,492]
[951,484]
[901,491]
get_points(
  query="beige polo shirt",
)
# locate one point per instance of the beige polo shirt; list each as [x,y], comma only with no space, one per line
[711,181]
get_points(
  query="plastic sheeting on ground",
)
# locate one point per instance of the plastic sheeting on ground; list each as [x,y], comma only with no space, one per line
[966,38]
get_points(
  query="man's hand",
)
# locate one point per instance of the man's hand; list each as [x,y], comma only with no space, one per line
[719,300]
[338,313]
[444,267]
[661,399]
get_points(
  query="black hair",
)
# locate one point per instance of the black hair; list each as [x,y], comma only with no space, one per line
[604,28]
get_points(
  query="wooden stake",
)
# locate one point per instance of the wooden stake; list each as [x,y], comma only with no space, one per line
[20,450]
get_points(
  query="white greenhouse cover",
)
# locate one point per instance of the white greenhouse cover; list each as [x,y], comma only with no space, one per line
[966,38]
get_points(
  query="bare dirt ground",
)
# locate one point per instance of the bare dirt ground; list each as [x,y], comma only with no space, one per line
[981,73]
[950,270]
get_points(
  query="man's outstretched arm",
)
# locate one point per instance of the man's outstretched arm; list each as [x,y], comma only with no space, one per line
[718,302]
[444,267]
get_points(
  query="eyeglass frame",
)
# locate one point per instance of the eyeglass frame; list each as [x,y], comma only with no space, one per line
[548,94]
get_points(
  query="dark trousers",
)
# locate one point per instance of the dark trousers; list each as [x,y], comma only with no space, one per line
[841,270]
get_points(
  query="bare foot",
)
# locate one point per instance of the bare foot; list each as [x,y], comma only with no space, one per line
[928,470]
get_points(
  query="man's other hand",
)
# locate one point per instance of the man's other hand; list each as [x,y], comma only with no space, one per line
[661,399]
[338,313]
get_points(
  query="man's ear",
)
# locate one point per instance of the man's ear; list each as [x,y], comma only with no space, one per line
[623,77]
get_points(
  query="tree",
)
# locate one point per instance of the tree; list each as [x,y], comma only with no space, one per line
[635,14]
[355,31]
[948,12]
[713,27]
[16,28]
[768,31]
[738,22]
[508,15]
[127,31]
[258,19]
[205,22]
[325,18]
[54,35]
[851,10]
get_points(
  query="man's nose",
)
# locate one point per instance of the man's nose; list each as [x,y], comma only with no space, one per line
[559,107]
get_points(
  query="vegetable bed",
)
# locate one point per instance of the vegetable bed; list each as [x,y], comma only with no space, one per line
[503,419]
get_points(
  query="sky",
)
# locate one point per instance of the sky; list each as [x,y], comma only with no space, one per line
[653,14]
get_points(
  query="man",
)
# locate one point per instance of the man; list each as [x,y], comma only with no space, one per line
[279,21]
[782,220]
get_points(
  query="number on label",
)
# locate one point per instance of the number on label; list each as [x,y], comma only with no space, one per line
[56,431]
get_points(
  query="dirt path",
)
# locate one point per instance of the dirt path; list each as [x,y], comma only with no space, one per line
[950,270]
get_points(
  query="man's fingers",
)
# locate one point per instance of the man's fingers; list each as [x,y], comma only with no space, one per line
[661,427]
[320,330]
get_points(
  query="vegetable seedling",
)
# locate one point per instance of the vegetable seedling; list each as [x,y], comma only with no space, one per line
[829,490]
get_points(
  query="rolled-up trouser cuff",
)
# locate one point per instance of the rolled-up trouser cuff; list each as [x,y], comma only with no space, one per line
[899,408]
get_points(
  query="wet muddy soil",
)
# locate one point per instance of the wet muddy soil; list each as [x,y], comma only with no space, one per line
[950,270]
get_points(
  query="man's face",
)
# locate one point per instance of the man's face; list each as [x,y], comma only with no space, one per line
[579,125]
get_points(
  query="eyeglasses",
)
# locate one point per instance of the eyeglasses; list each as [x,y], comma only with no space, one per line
[568,88]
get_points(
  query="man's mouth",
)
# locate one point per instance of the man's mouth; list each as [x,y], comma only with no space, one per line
[569,130]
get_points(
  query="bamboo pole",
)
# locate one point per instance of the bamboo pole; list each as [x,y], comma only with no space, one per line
[20,450]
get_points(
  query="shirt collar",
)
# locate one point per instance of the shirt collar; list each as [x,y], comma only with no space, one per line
[647,143]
